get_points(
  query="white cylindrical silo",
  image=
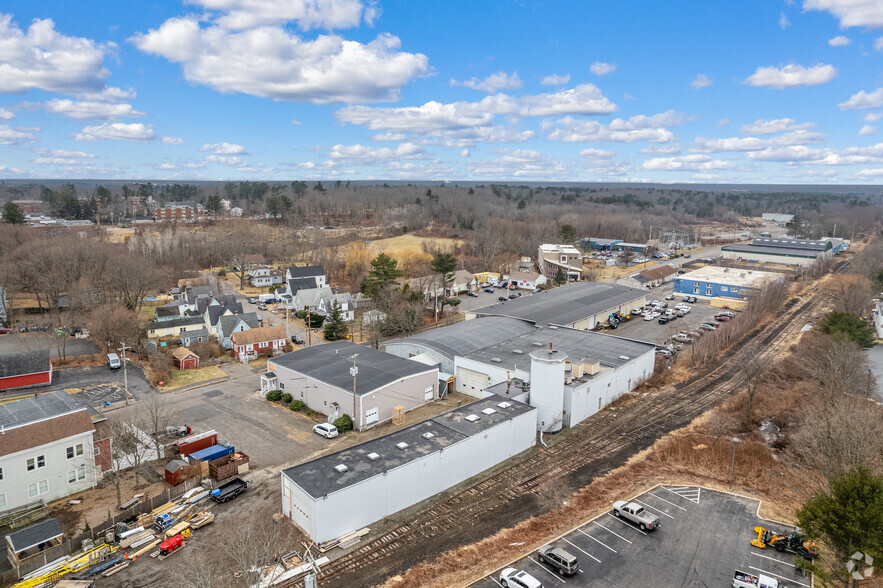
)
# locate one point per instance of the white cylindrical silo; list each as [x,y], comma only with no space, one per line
[547,388]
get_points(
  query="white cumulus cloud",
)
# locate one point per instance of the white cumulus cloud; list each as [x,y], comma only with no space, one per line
[90,110]
[701,81]
[770,127]
[872,117]
[852,13]
[791,76]
[172,140]
[134,132]
[6,114]
[878,44]
[695,162]
[42,58]
[863,99]
[493,83]
[592,153]
[839,41]
[16,135]
[867,130]
[519,163]
[308,14]
[599,68]
[784,23]
[653,129]
[798,137]
[270,62]
[555,80]
[63,157]
[224,148]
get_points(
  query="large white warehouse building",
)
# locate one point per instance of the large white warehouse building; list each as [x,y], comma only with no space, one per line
[337,494]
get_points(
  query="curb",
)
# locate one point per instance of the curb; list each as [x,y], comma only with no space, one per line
[195,386]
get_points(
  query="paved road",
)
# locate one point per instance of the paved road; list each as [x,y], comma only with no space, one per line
[875,363]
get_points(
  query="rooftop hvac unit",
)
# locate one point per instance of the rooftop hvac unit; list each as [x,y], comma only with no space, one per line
[340,468]
[624,357]
[472,418]
[537,344]
[504,404]
[488,411]
[373,456]
[518,352]
[496,360]
[428,435]
[591,366]
[402,445]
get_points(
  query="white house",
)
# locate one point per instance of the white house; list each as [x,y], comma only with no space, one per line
[526,280]
[47,449]
[344,302]
[310,297]
[463,282]
[263,277]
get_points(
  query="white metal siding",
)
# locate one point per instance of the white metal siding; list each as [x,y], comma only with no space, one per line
[471,382]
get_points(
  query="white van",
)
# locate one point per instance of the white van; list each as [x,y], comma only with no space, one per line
[113,361]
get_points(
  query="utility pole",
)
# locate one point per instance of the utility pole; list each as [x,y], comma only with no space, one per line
[309,329]
[286,323]
[354,371]
[125,372]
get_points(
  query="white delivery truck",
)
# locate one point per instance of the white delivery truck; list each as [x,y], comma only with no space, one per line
[746,580]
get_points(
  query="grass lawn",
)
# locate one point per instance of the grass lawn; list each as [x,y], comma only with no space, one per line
[189,377]
[410,243]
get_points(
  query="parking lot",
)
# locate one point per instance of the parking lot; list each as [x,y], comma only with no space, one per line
[652,331]
[703,537]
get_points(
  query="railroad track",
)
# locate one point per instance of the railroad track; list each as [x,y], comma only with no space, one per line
[607,435]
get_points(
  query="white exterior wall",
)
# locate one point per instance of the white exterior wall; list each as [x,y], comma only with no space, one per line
[547,390]
[17,478]
[496,373]
[407,350]
[583,401]
[362,504]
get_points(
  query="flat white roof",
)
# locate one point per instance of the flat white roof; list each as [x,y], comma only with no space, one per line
[730,276]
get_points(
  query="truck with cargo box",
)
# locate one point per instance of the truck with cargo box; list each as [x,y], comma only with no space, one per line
[212,453]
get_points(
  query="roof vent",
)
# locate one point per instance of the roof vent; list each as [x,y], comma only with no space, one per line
[553,327]
[472,418]
[373,456]
[402,445]
[428,435]
[518,352]
[504,404]
[340,468]
[496,360]
[624,357]
[537,344]
[488,411]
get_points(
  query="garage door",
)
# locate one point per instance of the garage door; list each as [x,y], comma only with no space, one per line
[471,382]
[372,415]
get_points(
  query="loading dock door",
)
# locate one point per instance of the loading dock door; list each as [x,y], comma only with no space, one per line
[471,382]
[372,415]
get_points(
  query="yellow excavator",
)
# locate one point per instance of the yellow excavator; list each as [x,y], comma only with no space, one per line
[794,543]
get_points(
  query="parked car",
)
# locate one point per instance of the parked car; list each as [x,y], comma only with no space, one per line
[648,316]
[663,320]
[726,313]
[489,290]
[252,300]
[4,330]
[681,338]
[262,306]
[562,561]
[708,327]
[297,339]
[513,296]
[721,318]
[686,256]
[670,297]
[518,579]
[536,290]
[472,294]
[664,353]
[327,430]
[682,271]
[636,514]
[502,298]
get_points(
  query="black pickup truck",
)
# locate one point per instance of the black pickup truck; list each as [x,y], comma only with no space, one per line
[230,490]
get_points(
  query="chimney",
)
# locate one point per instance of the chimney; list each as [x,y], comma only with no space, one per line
[551,351]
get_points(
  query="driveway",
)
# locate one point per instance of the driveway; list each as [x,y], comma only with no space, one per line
[16,342]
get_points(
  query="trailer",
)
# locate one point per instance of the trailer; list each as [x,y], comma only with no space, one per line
[746,580]
[230,490]
[229,465]
[212,453]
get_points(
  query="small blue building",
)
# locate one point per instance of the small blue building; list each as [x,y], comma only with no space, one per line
[723,282]
[598,244]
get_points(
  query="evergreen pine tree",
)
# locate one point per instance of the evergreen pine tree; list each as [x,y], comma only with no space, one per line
[335,327]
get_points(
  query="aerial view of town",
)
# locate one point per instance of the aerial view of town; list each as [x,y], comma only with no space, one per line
[503,294]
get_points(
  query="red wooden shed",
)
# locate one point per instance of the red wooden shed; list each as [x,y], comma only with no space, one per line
[185,359]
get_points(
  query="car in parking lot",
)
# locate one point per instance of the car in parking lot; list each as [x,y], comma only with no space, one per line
[565,563]
[502,299]
[489,290]
[649,316]
[726,313]
[721,318]
[690,299]
[664,319]
[636,514]
[472,294]
[681,338]
[252,300]
[327,430]
[513,296]
[670,297]
[297,339]
[708,327]
[518,579]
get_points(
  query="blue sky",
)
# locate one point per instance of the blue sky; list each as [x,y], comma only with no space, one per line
[689,91]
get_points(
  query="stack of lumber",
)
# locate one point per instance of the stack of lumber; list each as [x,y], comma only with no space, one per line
[137,538]
[200,520]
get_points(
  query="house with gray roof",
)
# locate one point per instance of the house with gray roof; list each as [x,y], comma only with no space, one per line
[344,302]
[25,369]
[231,323]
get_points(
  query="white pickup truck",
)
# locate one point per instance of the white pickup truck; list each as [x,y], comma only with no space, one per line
[746,580]
[636,514]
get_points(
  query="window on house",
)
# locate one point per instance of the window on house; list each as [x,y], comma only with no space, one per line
[282,387]
[71,477]
[724,289]
[74,451]
[81,473]
[708,292]
[695,290]
[695,283]
[36,462]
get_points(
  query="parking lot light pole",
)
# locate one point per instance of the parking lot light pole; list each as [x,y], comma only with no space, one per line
[125,373]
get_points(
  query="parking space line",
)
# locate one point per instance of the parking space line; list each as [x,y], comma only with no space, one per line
[586,552]
[611,531]
[784,563]
[653,508]
[546,569]
[599,541]
[686,492]
[497,582]
[774,575]
[671,503]
[626,524]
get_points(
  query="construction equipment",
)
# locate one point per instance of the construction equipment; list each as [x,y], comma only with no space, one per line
[794,543]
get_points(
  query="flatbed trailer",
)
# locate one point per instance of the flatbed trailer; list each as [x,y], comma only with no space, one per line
[230,490]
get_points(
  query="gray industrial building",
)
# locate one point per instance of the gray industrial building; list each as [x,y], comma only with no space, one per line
[582,305]
[322,377]
[585,372]
[339,493]
[800,252]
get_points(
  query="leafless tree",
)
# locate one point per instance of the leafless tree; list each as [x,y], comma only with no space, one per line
[555,492]
[848,293]
[156,413]
[251,545]
[835,366]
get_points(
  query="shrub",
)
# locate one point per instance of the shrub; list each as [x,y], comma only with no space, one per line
[344,423]
[297,405]
[274,395]
[286,398]
[222,272]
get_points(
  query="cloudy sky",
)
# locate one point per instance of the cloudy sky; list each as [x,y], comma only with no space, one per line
[756,91]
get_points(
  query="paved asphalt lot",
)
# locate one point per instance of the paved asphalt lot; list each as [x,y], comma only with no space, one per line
[16,342]
[703,538]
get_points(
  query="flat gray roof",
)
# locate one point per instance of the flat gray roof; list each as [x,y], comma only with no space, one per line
[38,408]
[468,336]
[565,305]
[329,363]
[788,243]
[319,478]
[782,251]
[576,344]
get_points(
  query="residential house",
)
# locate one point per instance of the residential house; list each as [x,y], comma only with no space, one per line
[344,302]
[26,369]
[184,359]
[230,324]
[190,337]
[463,281]
[526,280]
[430,287]
[174,327]
[372,317]
[179,212]
[308,271]
[263,277]
[553,257]
[248,345]
[46,451]
[655,276]
[169,312]
[309,298]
